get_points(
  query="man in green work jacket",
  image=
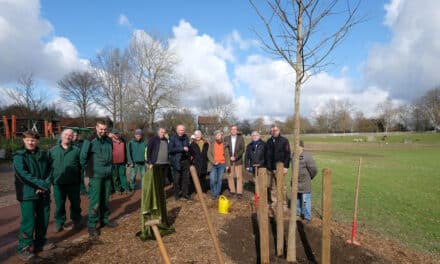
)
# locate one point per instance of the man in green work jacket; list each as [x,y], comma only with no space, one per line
[136,157]
[96,156]
[32,187]
[66,178]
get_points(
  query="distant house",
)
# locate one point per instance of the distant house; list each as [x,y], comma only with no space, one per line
[207,124]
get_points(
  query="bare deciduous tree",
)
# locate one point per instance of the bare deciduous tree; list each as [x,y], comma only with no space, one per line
[388,112]
[173,118]
[296,33]
[26,92]
[81,89]
[220,106]
[112,70]
[156,82]
[430,103]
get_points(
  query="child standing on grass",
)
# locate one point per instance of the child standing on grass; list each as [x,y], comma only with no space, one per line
[32,187]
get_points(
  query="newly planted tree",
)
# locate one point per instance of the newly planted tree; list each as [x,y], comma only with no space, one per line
[299,32]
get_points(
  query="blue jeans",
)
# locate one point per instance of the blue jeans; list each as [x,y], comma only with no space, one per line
[215,179]
[306,199]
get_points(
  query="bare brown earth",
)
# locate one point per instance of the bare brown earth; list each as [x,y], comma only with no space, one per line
[191,243]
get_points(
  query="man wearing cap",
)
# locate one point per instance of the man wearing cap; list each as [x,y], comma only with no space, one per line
[307,171]
[119,161]
[136,157]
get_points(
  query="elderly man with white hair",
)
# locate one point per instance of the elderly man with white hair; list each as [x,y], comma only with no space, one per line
[66,178]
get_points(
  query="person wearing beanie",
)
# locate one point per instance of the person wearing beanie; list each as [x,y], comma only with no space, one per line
[136,157]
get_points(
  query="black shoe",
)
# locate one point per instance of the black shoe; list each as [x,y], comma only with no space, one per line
[93,232]
[26,254]
[111,224]
[58,228]
[77,225]
[187,197]
[177,198]
[47,246]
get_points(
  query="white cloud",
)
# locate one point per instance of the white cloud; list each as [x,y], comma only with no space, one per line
[28,44]
[204,60]
[271,85]
[123,21]
[235,38]
[407,65]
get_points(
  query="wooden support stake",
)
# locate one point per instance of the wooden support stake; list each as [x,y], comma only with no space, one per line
[263,215]
[211,228]
[279,210]
[163,251]
[326,214]
[356,201]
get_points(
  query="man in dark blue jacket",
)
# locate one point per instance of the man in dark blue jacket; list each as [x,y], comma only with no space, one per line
[179,158]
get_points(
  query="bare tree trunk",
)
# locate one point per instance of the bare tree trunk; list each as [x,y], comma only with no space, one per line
[291,238]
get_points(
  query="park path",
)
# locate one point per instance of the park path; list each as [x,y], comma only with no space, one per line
[120,205]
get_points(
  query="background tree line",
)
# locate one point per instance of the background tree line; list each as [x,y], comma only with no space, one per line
[139,86]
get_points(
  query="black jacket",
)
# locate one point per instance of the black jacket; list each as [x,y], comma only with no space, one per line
[199,158]
[175,149]
[153,149]
[277,150]
[255,156]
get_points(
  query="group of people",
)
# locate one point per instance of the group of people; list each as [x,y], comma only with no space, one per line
[105,157]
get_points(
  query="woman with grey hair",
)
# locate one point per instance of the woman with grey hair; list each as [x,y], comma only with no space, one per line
[199,154]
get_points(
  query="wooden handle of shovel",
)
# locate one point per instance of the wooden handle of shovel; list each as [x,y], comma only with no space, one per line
[211,228]
[163,250]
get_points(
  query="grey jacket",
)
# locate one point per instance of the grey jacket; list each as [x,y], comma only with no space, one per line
[307,171]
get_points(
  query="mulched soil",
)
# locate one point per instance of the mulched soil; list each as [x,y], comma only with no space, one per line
[237,232]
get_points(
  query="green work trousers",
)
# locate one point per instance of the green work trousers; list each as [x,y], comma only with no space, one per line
[34,222]
[99,194]
[60,193]
[119,177]
[82,185]
[133,171]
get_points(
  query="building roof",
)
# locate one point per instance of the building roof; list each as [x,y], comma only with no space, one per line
[207,120]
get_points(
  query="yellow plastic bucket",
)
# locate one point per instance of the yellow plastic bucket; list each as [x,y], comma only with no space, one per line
[223,205]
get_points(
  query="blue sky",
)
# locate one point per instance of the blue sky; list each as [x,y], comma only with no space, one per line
[374,63]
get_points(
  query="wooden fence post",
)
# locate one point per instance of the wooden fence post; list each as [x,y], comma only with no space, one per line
[263,216]
[6,125]
[326,214]
[14,126]
[279,210]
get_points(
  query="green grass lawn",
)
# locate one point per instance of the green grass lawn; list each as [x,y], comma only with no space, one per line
[400,186]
